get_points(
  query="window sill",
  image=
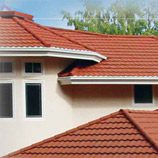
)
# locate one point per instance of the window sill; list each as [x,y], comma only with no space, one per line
[5,119]
[27,75]
[144,105]
[34,118]
[7,75]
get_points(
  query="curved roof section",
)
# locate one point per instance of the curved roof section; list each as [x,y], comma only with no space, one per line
[17,30]
[127,55]
[124,134]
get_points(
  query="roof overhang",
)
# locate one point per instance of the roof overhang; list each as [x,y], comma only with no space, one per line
[83,80]
[50,52]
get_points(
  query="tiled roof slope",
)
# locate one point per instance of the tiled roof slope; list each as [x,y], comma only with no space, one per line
[128,55]
[124,134]
[18,30]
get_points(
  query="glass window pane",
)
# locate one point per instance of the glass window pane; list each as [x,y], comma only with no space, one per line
[33,68]
[37,67]
[143,94]
[33,99]
[6,67]
[28,67]
[6,109]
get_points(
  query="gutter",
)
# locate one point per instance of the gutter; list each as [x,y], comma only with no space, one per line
[96,80]
[50,52]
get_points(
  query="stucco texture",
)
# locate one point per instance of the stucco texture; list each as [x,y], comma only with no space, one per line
[64,107]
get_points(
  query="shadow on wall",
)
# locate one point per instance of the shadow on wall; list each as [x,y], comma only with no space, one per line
[101,95]
[65,93]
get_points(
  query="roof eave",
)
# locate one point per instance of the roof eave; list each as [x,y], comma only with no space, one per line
[96,80]
[51,52]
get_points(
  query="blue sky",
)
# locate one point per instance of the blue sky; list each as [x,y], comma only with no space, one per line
[47,12]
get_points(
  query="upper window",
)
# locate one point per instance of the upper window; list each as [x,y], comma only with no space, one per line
[33,67]
[6,67]
[6,101]
[143,94]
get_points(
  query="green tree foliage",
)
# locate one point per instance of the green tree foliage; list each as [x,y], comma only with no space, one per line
[122,17]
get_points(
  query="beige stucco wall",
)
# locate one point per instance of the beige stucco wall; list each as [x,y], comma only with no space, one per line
[19,131]
[93,101]
[64,107]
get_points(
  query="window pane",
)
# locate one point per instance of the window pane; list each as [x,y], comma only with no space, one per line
[28,67]
[33,99]
[6,100]
[143,94]
[33,68]
[6,67]
[37,67]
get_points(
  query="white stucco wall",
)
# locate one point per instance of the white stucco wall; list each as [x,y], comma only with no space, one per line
[94,101]
[64,106]
[19,131]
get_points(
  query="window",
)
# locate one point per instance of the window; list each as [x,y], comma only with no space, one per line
[33,100]
[6,108]
[33,67]
[143,94]
[6,67]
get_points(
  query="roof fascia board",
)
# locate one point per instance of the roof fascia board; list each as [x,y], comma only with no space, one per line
[75,80]
[51,52]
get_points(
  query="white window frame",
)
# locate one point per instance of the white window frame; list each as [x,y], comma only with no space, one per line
[144,104]
[24,74]
[13,99]
[42,97]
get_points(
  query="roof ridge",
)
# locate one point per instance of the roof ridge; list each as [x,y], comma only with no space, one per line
[144,111]
[72,40]
[29,31]
[102,34]
[61,135]
[58,34]
[155,37]
[13,13]
[140,129]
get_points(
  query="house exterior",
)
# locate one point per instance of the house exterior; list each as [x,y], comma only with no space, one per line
[54,79]
[123,134]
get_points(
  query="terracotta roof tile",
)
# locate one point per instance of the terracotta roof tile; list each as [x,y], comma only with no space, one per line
[123,134]
[11,34]
[18,30]
[126,55]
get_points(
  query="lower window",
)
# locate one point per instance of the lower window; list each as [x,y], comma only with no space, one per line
[33,100]
[143,94]
[6,101]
